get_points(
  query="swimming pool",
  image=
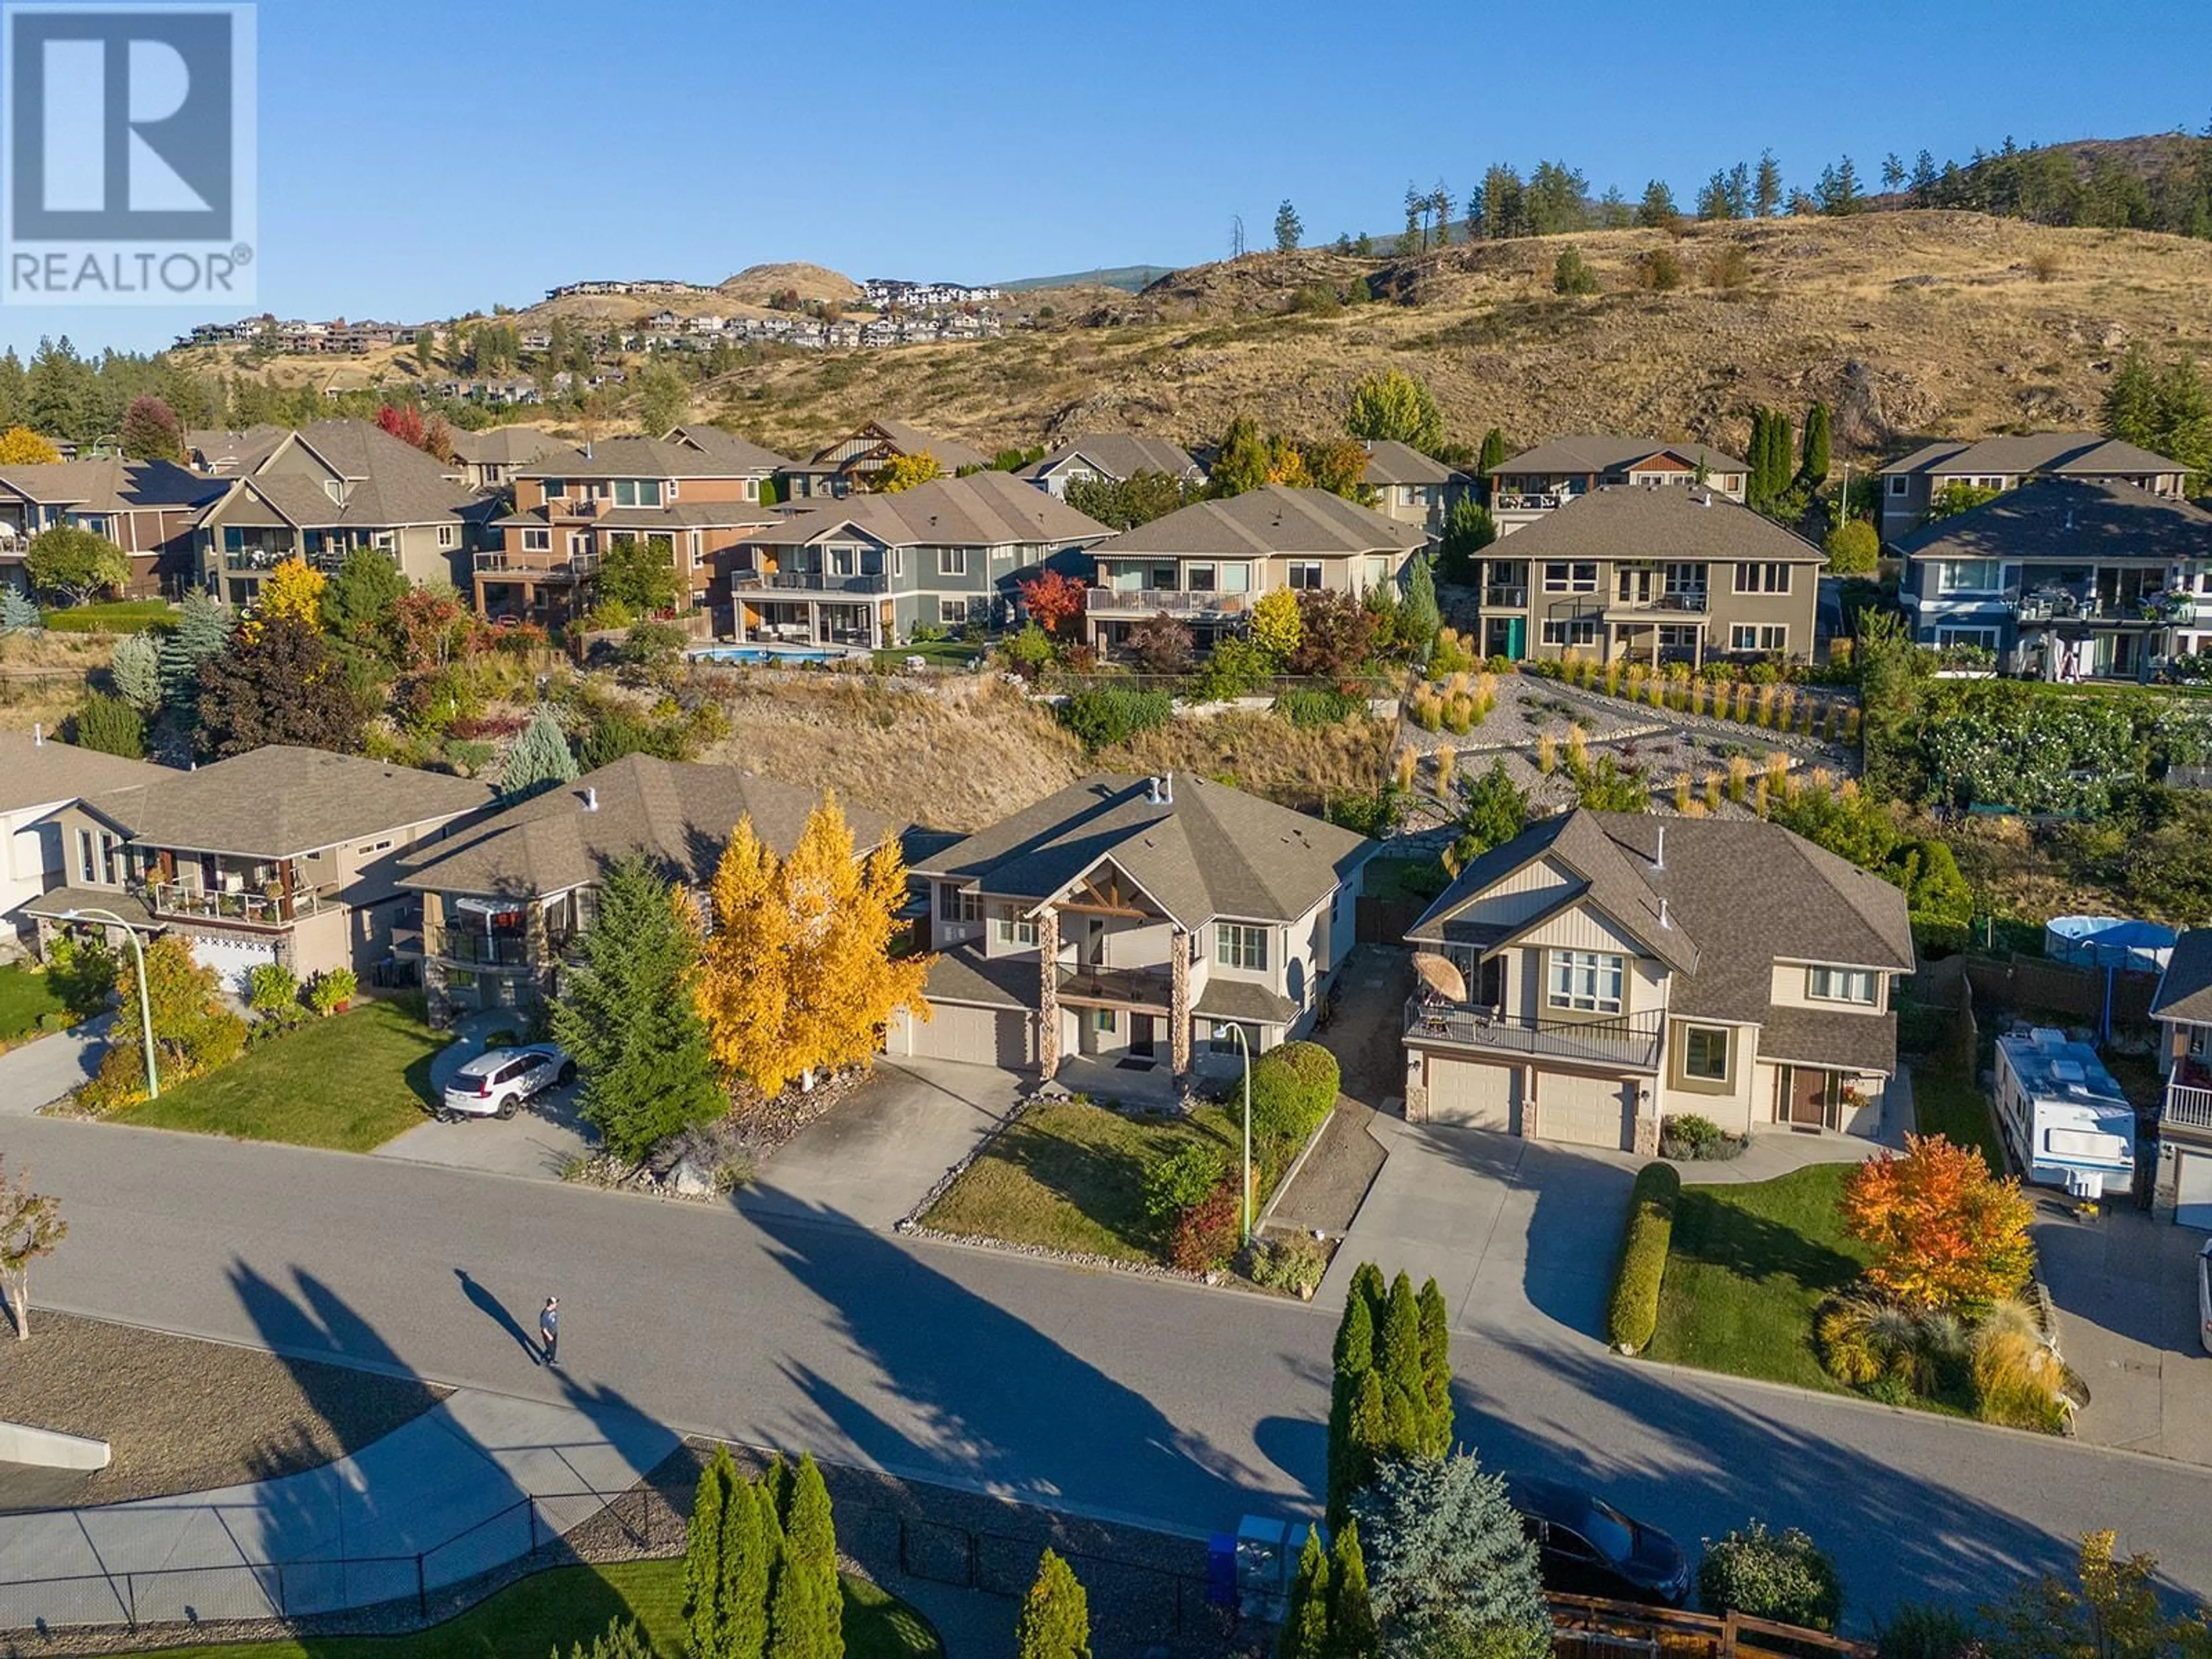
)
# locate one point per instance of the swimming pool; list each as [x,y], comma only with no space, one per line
[761,654]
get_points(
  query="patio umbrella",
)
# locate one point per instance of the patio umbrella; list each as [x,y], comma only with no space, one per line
[1439,975]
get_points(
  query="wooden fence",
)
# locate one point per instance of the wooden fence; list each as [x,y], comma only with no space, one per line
[1585,1627]
[2010,980]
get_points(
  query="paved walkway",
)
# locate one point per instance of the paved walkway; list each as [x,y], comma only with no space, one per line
[1774,1151]
[452,1488]
[38,1074]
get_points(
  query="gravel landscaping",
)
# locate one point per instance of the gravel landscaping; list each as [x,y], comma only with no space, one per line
[185,1415]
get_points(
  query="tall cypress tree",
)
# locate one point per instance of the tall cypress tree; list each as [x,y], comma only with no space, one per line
[1351,1633]
[1398,1342]
[1814,467]
[1305,1632]
[1784,458]
[1355,1361]
[805,1615]
[703,1557]
[742,1629]
[1493,453]
[1435,1368]
[1056,1616]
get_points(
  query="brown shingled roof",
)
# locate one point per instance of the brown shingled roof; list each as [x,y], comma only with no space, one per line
[984,509]
[1670,522]
[1273,518]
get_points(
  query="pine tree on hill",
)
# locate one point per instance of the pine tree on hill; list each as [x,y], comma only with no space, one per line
[539,760]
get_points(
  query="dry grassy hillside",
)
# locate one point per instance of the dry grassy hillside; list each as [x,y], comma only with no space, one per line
[1908,322]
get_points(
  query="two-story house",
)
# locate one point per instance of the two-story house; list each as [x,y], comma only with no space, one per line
[505,899]
[321,492]
[1650,574]
[868,570]
[1208,563]
[1115,457]
[1911,485]
[849,465]
[1538,481]
[1119,929]
[1601,972]
[148,508]
[280,854]
[490,459]
[1411,487]
[2182,1190]
[39,776]
[2065,579]
[691,495]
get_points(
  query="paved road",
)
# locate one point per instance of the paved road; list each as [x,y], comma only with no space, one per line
[1103,1391]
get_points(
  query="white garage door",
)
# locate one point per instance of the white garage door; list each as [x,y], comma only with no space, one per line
[1472,1096]
[2193,1193]
[1584,1111]
[232,958]
[980,1036]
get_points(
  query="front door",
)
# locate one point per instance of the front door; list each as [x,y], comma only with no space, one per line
[1508,637]
[1140,1035]
[1808,1097]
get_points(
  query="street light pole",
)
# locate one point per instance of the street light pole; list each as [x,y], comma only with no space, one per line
[145,1002]
[1245,1207]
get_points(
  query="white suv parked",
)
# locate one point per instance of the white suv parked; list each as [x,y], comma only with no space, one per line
[498,1080]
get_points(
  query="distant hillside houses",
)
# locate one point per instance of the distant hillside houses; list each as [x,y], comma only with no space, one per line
[888,292]
[652,285]
[666,331]
[302,337]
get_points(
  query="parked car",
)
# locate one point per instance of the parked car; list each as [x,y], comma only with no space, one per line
[498,1080]
[1587,1548]
[2204,1296]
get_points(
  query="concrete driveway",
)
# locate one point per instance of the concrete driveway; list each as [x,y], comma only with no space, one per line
[875,1155]
[1519,1235]
[536,1142]
[41,1071]
[2125,1288]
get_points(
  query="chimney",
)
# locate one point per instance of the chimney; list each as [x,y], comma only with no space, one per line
[1664,920]
[1659,858]
[591,799]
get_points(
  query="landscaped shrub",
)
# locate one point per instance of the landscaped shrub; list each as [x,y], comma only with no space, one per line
[1451,654]
[2018,1380]
[1688,1137]
[1103,718]
[81,972]
[332,990]
[1633,1314]
[1204,1236]
[1319,707]
[1781,1575]
[1926,1630]
[1293,1087]
[1183,1177]
[1295,1264]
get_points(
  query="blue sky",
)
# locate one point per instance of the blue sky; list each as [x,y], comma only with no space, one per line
[418,159]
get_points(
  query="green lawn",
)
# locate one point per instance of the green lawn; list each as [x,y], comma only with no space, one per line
[117,616]
[1070,1176]
[25,998]
[1950,1104]
[549,1611]
[349,1083]
[938,653]
[1749,1267]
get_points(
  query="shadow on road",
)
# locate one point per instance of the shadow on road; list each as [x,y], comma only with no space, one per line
[496,1311]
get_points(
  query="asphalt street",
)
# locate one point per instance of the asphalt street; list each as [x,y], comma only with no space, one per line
[1101,1392]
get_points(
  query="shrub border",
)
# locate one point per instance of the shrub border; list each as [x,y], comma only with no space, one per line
[1632,1310]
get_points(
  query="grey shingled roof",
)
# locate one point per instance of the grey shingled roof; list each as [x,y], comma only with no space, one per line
[952,454]
[506,445]
[1390,462]
[2185,990]
[111,484]
[1240,998]
[234,452]
[1273,518]
[728,449]
[40,774]
[1118,455]
[281,802]
[2090,453]
[677,813]
[1601,452]
[2069,519]
[388,482]
[1214,851]
[689,453]
[1665,522]
[984,509]
[966,972]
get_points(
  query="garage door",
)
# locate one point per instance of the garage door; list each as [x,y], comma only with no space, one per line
[1471,1096]
[1584,1111]
[2193,1194]
[980,1036]
[233,959]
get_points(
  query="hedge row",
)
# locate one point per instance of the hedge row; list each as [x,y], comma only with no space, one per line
[1293,1086]
[1633,1314]
[1103,719]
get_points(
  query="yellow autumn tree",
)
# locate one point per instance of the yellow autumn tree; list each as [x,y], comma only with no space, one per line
[1276,626]
[293,589]
[744,985]
[1287,464]
[21,446]
[905,472]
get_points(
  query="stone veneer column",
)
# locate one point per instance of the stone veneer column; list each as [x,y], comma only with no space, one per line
[1048,991]
[1179,1003]
[1417,1086]
[1647,1122]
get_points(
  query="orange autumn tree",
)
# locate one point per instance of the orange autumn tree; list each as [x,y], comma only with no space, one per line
[1947,1234]
[799,976]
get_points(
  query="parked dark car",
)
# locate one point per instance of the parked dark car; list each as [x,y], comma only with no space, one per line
[1587,1548]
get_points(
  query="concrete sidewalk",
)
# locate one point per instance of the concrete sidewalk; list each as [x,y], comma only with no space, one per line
[40,1073]
[447,1491]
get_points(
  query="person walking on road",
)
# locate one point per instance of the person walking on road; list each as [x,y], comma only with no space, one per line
[549,1329]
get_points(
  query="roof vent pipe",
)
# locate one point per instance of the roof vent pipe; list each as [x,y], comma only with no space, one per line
[1659,858]
[1152,790]
[1167,789]
[1664,921]
[38,734]
[591,799]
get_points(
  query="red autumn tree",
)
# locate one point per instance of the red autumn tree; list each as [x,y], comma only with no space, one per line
[1946,1232]
[1052,599]
[404,422]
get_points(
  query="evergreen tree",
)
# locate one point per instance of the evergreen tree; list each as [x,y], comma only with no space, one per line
[1766,193]
[19,612]
[1893,172]
[1056,1616]
[277,683]
[1305,1632]
[1398,1361]
[1453,1571]
[2184,418]
[110,724]
[1813,469]
[136,671]
[202,630]
[1354,1365]
[1351,1633]
[1494,453]
[1436,1367]
[539,760]
[1657,210]
[627,1016]
[748,1559]
[702,1556]
[1242,462]
[2131,401]
[359,602]
[807,1609]
[1418,618]
[1288,230]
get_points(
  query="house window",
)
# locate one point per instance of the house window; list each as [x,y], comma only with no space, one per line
[84,858]
[1202,578]
[1105,1021]
[1967,576]
[959,904]
[1570,630]
[1587,980]
[447,535]
[1015,928]
[1704,1053]
[1840,985]
[1379,572]
[1221,1038]
[1767,578]
[1984,639]
[1305,576]
[952,613]
[1899,485]
[1238,946]
[1570,578]
[1237,579]
[951,560]
[1758,636]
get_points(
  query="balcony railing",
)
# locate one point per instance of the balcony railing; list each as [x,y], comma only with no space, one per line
[1687,602]
[538,567]
[805,582]
[2187,1107]
[255,558]
[1630,1040]
[2066,605]
[1175,601]
[247,910]
[474,948]
[1150,987]
[1528,501]
[578,508]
